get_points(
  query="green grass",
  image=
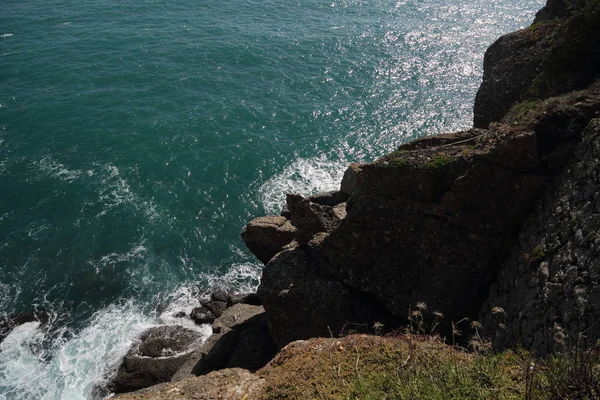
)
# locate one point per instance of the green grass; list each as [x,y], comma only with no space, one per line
[439,161]
[522,112]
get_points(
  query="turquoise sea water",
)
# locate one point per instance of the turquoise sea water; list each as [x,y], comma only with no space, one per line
[138,137]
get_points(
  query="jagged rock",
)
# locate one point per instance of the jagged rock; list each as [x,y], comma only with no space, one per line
[265,236]
[557,9]
[226,384]
[349,180]
[240,339]
[155,357]
[215,306]
[432,221]
[548,286]
[301,302]
[329,198]
[310,218]
[202,315]
[246,298]
[255,347]
[543,60]
[510,65]
[220,295]
[185,371]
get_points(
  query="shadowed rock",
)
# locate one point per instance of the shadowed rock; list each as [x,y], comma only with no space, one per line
[155,357]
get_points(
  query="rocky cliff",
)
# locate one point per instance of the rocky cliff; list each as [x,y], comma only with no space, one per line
[498,223]
[440,220]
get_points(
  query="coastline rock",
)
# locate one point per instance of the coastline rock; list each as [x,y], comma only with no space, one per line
[240,339]
[544,60]
[226,384]
[548,289]
[246,298]
[431,222]
[310,218]
[202,315]
[265,236]
[331,199]
[302,302]
[155,357]
[216,307]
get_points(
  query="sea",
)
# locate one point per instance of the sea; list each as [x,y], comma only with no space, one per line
[137,138]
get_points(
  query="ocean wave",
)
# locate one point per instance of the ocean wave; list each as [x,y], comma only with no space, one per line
[52,168]
[114,190]
[304,176]
[42,362]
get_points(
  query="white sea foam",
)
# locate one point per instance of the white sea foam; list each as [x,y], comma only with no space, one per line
[240,278]
[73,365]
[114,190]
[50,167]
[304,177]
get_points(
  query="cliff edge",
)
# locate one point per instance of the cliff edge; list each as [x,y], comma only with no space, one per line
[440,220]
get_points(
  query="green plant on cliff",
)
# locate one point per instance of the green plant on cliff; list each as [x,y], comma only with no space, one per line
[399,157]
[522,112]
[439,161]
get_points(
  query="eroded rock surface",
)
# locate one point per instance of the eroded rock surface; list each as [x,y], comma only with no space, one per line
[155,357]
[240,339]
[226,384]
[553,56]
[302,302]
[549,287]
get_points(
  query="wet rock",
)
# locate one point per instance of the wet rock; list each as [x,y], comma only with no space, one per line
[202,315]
[215,306]
[155,357]
[240,338]
[220,295]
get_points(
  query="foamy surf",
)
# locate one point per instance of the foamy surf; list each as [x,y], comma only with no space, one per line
[74,364]
[303,176]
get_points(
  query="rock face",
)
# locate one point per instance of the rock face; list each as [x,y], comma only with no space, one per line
[553,56]
[240,339]
[265,236]
[433,221]
[549,286]
[302,302]
[226,384]
[158,354]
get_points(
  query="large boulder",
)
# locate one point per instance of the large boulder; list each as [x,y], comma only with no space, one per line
[155,357]
[265,236]
[313,216]
[301,220]
[303,302]
[240,339]
[556,55]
